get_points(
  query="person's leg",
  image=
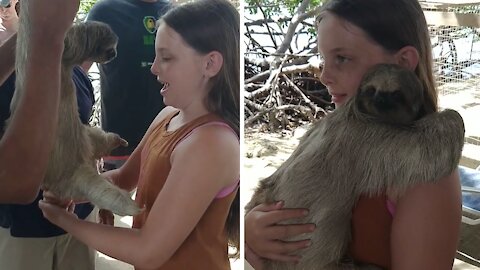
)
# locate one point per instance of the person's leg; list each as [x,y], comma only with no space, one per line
[72,254]
[26,253]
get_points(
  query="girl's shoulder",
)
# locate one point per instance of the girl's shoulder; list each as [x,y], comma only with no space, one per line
[444,189]
[164,114]
[217,135]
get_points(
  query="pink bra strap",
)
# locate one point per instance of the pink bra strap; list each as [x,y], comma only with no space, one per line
[391,207]
[227,190]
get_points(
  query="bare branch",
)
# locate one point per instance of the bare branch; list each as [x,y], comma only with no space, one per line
[295,88]
[300,16]
[306,112]
[268,27]
[286,70]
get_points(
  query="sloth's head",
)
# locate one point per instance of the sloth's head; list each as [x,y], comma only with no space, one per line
[92,41]
[391,94]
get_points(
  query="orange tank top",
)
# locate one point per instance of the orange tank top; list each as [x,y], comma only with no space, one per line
[371,226]
[207,246]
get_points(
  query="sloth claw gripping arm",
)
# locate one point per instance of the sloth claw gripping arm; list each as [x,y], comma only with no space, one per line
[423,153]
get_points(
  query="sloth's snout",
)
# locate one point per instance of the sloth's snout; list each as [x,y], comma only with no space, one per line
[383,101]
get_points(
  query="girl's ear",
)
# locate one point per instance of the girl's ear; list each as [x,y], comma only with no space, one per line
[407,57]
[213,64]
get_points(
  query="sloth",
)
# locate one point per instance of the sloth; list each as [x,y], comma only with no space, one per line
[382,139]
[72,171]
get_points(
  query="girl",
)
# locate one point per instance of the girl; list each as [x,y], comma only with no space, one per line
[418,230]
[187,165]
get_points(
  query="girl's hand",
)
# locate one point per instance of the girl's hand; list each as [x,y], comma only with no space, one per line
[266,238]
[106,217]
[55,209]
[255,261]
[51,198]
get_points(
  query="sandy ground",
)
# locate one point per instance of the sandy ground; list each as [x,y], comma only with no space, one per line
[264,152]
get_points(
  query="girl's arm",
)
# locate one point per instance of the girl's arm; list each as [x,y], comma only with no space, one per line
[126,177]
[426,226]
[202,165]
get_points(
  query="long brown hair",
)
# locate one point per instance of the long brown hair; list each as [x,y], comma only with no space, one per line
[214,25]
[393,24]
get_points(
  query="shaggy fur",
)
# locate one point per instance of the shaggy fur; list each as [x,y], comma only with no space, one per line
[72,171]
[379,140]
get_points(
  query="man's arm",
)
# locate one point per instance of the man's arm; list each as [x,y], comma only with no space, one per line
[29,138]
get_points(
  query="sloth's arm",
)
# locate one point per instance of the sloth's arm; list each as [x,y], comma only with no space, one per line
[402,158]
[126,177]
[103,142]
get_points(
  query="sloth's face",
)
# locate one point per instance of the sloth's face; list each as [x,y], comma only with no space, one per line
[90,41]
[104,47]
[104,54]
[391,94]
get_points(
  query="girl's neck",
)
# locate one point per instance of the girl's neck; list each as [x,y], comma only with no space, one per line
[184,117]
[187,116]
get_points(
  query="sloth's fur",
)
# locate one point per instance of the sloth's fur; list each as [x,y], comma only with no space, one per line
[72,171]
[379,140]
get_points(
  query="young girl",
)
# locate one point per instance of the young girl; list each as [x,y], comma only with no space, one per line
[187,165]
[418,230]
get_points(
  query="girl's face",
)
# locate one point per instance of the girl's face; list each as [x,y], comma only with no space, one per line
[348,53]
[180,68]
[9,13]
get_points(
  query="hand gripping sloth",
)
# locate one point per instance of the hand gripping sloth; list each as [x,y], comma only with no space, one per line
[72,172]
[383,140]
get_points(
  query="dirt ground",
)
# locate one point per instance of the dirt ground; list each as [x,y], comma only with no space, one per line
[264,152]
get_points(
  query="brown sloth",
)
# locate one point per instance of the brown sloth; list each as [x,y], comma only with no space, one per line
[380,139]
[72,172]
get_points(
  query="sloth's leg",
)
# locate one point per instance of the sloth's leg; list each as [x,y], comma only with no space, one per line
[104,142]
[99,191]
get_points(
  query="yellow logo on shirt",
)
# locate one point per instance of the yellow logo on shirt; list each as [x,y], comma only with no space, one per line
[149,23]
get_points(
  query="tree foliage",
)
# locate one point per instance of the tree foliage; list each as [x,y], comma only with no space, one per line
[85,6]
[275,7]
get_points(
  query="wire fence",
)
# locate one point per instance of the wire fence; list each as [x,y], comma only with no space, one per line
[456,55]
